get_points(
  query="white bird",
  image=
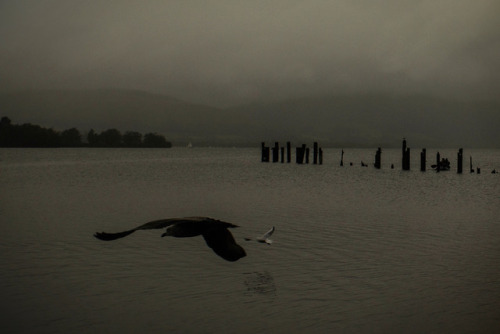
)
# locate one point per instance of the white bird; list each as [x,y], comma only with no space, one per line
[264,238]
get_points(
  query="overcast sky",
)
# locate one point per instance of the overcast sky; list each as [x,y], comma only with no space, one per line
[224,52]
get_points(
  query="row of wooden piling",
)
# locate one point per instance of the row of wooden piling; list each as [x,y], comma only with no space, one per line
[423,160]
[281,154]
[302,153]
[405,164]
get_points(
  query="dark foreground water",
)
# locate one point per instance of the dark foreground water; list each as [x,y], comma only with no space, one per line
[356,250]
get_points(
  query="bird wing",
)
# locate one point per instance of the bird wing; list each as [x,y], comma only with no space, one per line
[223,244]
[156,224]
[267,234]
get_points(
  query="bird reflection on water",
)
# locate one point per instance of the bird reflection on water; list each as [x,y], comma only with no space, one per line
[260,283]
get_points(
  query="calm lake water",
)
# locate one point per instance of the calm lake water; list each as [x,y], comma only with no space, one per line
[356,250]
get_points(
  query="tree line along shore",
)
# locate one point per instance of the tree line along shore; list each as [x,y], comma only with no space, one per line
[31,135]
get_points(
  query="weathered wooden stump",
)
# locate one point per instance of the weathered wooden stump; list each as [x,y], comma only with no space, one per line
[315,153]
[276,151]
[460,161]
[378,158]
[423,158]
[288,152]
[406,156]
[438,162]
[265,153]
[300,153]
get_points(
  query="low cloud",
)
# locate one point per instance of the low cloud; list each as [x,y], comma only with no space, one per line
[227,52]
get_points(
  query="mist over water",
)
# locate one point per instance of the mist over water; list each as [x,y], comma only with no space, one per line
[356,250]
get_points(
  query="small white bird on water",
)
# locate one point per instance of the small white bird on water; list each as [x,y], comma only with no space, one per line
[264,238]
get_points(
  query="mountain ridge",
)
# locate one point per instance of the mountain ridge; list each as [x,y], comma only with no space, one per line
[366,120]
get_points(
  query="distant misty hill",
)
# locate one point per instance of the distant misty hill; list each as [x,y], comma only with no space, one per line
[356,120]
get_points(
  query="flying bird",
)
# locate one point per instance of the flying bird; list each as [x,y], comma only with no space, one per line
[215,233]
[264,238]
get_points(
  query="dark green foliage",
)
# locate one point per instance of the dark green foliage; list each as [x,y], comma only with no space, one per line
[92,138]
[108,138]
[35,136]
[155,140]
[29,135]
[132,139]
[5,131]
[71,138]
[111,138]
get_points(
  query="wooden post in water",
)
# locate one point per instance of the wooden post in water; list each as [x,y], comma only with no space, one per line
[320,156]
[423,159]
[478,170]
[315,153]
[307,155]
[403,154]
[406,156]
[438,162]
[288,152]
[265,153]
[276,151]
[299,154]
[378,158]
[342,158]
[460,161]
